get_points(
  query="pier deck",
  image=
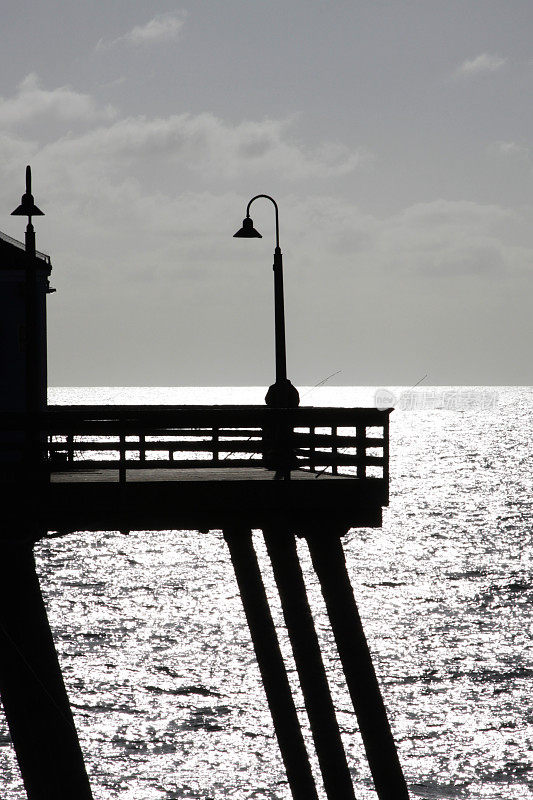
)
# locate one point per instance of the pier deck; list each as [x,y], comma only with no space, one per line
[200,467]
[161,499]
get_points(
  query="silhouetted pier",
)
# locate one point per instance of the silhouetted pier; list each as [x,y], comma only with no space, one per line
[286,469]
[145,467]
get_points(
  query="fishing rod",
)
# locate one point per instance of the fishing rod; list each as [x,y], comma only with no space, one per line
[320,383]
[341,452]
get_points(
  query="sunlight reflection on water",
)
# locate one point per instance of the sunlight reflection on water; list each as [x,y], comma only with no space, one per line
[157,657]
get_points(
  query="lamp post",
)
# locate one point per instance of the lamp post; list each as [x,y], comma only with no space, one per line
[27,208]
[282,394]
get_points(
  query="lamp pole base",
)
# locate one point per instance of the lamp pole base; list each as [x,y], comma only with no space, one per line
[282,394]
[279,454]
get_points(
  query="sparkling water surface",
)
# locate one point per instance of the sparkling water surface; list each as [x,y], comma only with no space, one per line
[157,656]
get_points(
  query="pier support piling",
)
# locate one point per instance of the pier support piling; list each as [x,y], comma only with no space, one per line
[271,664]
[330,566]
[281,546]
[31,686]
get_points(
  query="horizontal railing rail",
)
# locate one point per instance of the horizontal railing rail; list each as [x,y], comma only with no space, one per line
[337,441]
[22,246]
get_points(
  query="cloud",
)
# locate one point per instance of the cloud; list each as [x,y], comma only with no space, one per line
[141,271]
[207,145]
[201,144]
[14,151]
[140,213]
[483,64]
[132,171]
[32,101]
[510,150]
[441,238]
[161,28]
[160,178]
[447,238]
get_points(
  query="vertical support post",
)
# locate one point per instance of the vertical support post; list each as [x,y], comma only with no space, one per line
[330,566]
[32,357]
[270,662]
[334,451]
[360,443]
[281,546]
[122,459]
[312,448]
[31,686]
[386,454]
[216,443]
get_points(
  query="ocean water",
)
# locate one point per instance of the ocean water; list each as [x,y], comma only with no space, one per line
[157,656]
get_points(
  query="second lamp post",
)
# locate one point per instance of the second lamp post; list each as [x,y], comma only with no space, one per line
[282,394]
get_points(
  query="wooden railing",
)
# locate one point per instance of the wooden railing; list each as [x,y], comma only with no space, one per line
[335,441]
[22,246]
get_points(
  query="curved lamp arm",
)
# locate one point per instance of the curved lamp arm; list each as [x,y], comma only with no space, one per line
[267,197]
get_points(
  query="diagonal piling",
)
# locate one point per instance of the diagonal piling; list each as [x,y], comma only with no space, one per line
[330,566]
[271,664]
[281,546]
[31,686]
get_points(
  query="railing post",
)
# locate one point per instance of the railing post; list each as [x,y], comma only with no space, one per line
[386,454]
[360,443]
[216,443]
[122,456]
[334,451]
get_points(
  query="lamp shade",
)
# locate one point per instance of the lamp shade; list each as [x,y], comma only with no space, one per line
[247,231]
[27,208]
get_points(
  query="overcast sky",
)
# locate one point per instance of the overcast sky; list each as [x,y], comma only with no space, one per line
[397,138]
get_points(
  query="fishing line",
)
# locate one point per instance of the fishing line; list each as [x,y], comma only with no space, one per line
[340,451]
[320,383]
